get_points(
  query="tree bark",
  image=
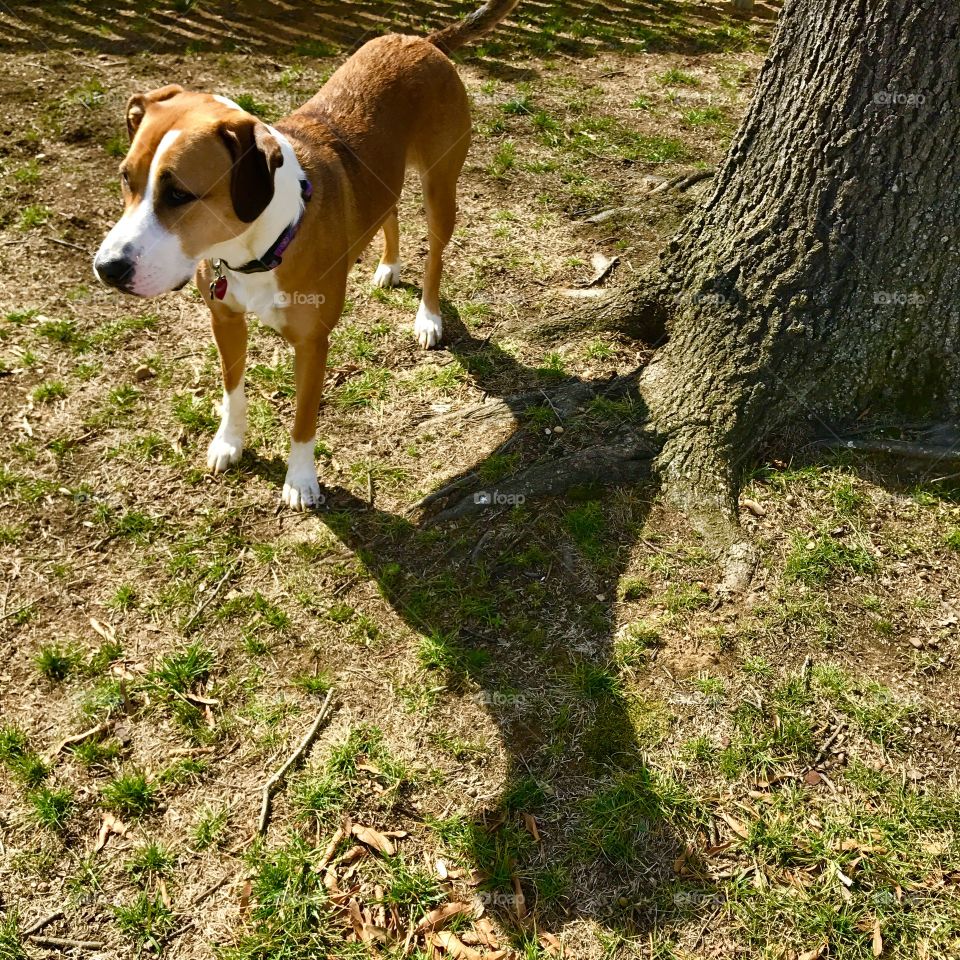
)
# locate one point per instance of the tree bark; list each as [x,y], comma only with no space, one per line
[819,281]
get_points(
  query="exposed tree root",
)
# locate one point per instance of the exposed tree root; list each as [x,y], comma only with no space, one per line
[636,310]
[623,463]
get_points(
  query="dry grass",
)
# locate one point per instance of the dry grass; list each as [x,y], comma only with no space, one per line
[699,775]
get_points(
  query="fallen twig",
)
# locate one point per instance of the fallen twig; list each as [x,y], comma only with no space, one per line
[67,243]
[66,943]
[273,784]
[80,737]
[213,593]
[38,925]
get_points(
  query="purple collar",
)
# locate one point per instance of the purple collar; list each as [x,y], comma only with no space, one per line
[274,256]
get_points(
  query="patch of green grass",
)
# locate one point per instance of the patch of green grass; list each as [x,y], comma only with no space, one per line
[655,149]
[27,766]
[495,853]
[151,861]
[633,588]
[10,535]
[677,78]
[33,216]
[952,539]
[125,597]
[317,684]
[594,682]
[411,889]
[598,350]
[116,145]
[28,174]
[105,698]
[587,525]
[56,662]
[180,672]
[290,915]
[11,946]
[504,160]
[145,921]
[247,101]
[439,651]
[211,825]
[686,597]
[193,413]
[365,389]
[622,817]
[130,794]
[51,808]
[705,117]
[816,560]
[64,332]
[634,643]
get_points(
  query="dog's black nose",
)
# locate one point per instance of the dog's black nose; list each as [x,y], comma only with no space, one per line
[116,271]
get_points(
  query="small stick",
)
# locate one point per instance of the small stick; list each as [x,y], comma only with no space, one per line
[65,943]
[273,784]
[211,890]
[80,737]
[894,448]
[67,243]
[42,922]
[556,412]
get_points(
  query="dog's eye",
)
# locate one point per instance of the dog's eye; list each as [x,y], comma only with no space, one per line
[177,198]
[125,178]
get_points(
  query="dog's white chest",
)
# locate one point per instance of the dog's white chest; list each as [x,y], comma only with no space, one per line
[257,293]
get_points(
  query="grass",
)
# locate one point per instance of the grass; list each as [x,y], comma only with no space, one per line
[56,662]
[11,946]
[145,920]
[567,660]
[210,827]
[151,861]
[130,794]
[179,673]
[34,215]
[820,559]
[52,808]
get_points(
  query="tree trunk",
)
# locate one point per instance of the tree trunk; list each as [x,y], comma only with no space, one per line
[819,281]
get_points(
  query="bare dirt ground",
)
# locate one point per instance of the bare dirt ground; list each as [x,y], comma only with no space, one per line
[541,718]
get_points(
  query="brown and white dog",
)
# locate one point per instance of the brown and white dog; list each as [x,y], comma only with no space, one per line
[270,219]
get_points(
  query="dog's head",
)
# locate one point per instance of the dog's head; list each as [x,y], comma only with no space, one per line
[199,171]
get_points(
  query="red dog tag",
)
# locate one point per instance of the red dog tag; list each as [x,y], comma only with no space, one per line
[218,288]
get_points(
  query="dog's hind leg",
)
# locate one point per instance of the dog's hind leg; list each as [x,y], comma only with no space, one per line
[440,202]
[388,272]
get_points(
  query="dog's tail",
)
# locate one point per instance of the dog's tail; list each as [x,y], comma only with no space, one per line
[473,26]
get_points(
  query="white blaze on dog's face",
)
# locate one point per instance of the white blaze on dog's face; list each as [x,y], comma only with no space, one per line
[198,173]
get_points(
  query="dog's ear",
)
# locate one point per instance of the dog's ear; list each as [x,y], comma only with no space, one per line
[138,103]
[256,154]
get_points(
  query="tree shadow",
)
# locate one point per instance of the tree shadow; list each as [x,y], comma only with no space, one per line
[322,28]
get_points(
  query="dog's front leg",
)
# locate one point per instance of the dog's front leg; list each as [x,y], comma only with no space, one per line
[301,490]
[230,332]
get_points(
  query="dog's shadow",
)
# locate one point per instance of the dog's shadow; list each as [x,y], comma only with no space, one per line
[517,609]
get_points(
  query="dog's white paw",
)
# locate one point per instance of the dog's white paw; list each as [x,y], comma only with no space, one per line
[301,489]
[428,327]
[224,451]
[387,275]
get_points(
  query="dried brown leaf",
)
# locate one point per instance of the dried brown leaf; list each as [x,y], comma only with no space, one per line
[438,917]
[109,824]
[374,839]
